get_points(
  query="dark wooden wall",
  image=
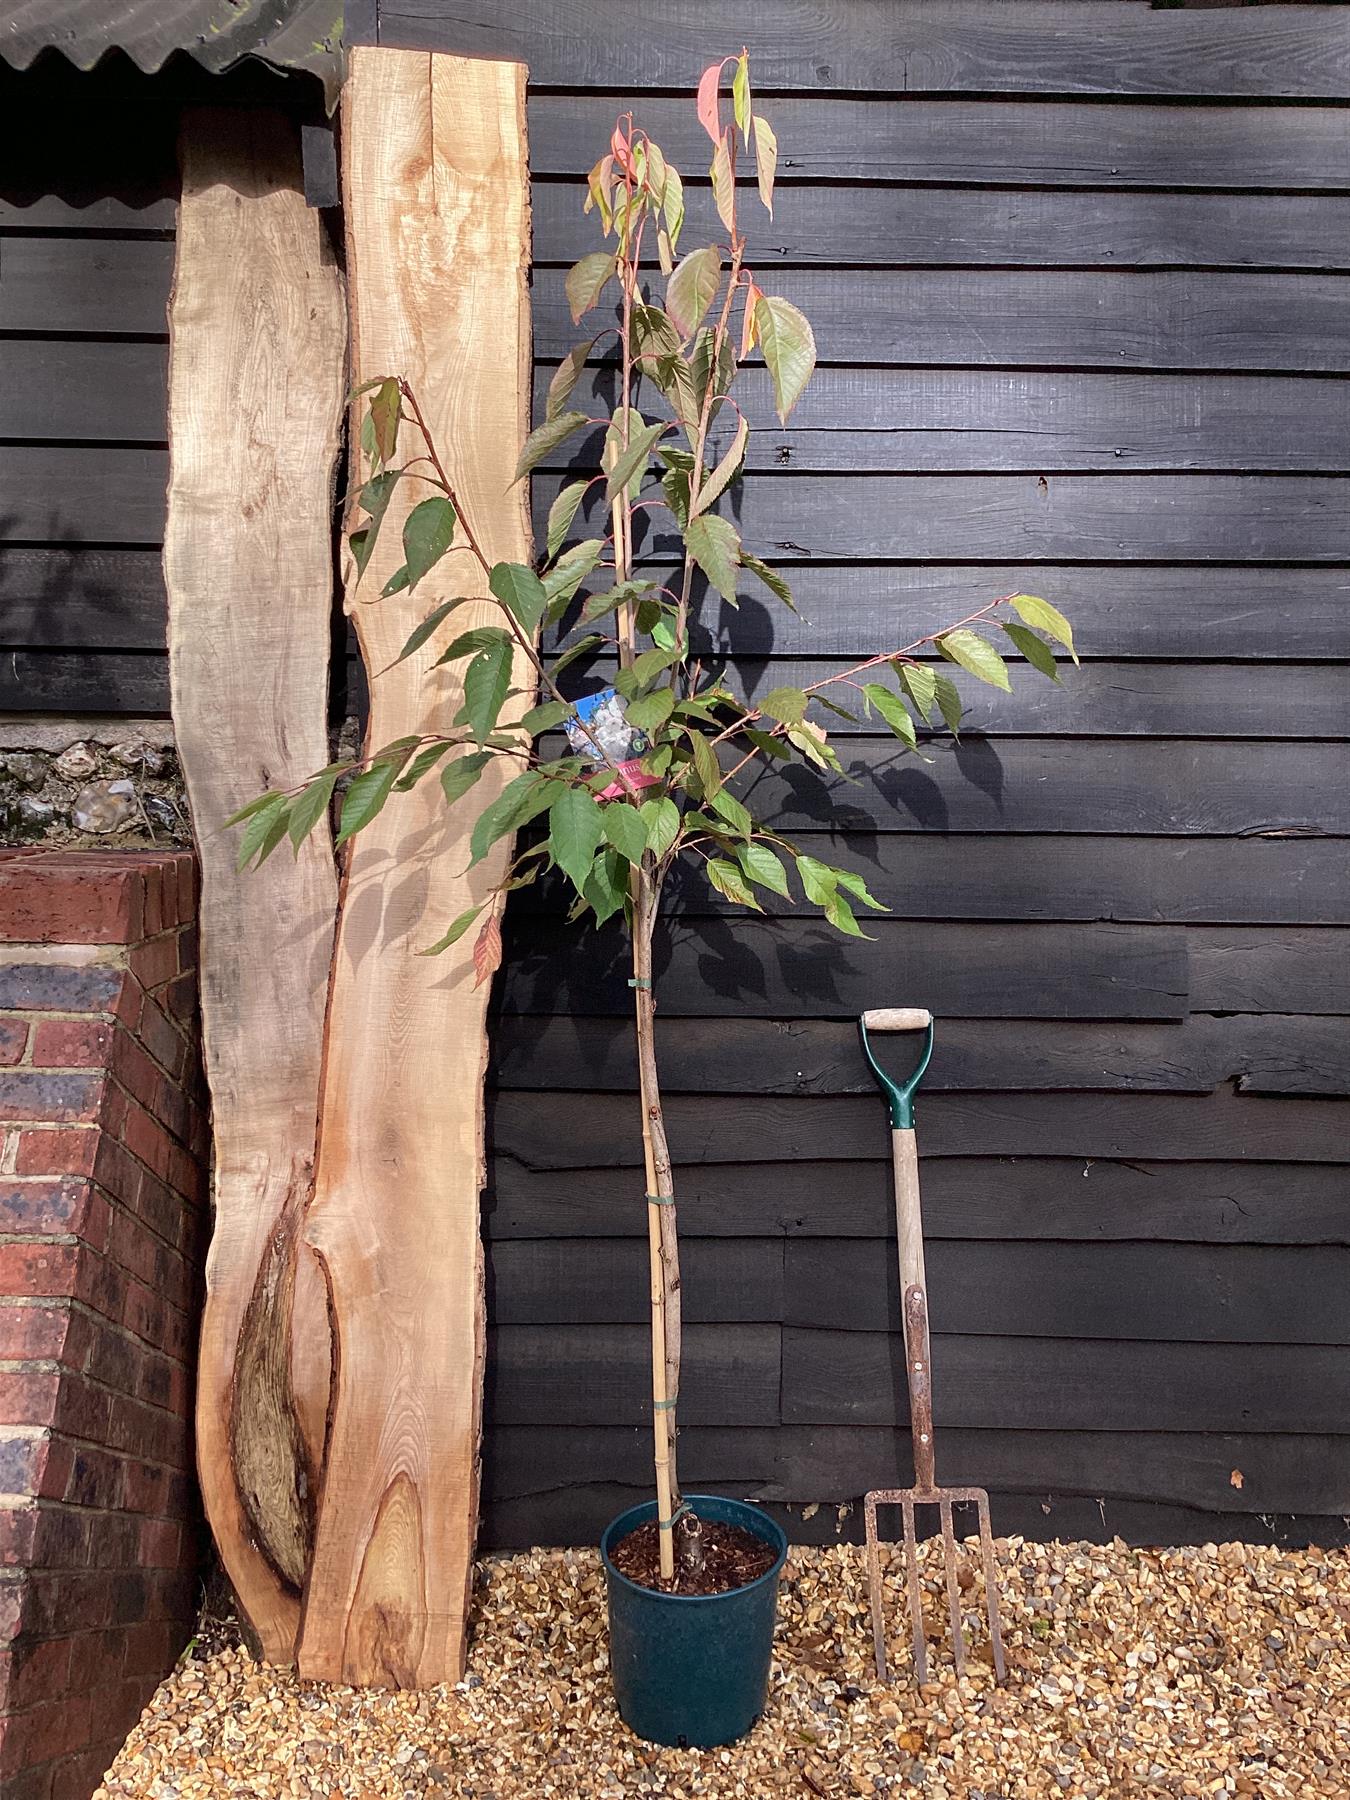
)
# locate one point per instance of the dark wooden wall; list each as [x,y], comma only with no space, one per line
[1078,276]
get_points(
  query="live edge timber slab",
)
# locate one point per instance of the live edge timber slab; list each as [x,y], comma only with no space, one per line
[435,189]
[256,382]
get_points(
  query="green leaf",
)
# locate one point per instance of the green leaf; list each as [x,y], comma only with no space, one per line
[1037,652]
[486,680]
[576,829]
[519,801]
[546,438]
[724,182]
[311,805]
[813,746]
[565,378]
[673,205]
[893,710]
[1039,613]
[787,704]
[712,542]
[727,469]
[771,579]
[255,805]
[606,887]
[766,161]
[521,592]
[561,514]
[651,662]
[582,647]
[740,95]
[768,746]
[460,775]
[789,348]
[365,797]
[456,931]
[706,765]
[586,280]
[570,570]
[977,655]
[920,684]
[949,703]
[818,879]
[654,332]
[632,461]
[545,716]
[421,765]
[856,885]
[385,411]
[840,915]
[728,880]
[626,831]
[477,637]
[763,867]
[396,582]
[267,817]
[374,498]
[661,818]
[428,532]
[729,808]
[652,710]
[690,290]
[625,594]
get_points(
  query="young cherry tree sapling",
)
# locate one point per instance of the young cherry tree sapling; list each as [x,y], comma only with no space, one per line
[673,446]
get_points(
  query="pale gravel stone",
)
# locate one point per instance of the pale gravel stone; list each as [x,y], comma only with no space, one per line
[1161,1680]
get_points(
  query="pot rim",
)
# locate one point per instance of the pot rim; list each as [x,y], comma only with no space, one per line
[648,1507]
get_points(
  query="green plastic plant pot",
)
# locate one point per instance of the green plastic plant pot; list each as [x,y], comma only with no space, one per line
[692,1669]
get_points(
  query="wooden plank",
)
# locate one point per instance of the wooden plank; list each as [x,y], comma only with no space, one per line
[120,214]
[87,388]
[1033,1198]
[568,1131]
[1101,319]
[608,1282]
[833,1464]
[437,209]
[1258,971]
[1178,1293]
[1124,518]
[597,1374]
[1160,786]
[85,283]
[1057,1384]
[255,401]
[84,599]
[990,421]
[80,683]
[1021,227]
[1052,47]
[76,494]
[1053,144]
[1105,699]
[1263,1053]
[779,967]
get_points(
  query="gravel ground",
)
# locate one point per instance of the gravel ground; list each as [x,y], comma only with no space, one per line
[1132,1674]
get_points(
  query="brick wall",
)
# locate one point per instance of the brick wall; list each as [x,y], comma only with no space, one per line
[102,1201]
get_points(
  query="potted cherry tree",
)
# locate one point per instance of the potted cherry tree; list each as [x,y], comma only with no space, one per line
[616,787]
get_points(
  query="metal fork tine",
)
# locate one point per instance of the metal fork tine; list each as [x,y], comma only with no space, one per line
[953,1592]
[990,1585]
[874,1585]
[915,1599]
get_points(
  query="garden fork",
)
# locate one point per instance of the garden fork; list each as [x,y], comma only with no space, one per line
[914,1312]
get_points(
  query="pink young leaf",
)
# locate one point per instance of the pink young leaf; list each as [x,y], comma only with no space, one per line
[723,174]
[749,331]
[708,83]
[487,950]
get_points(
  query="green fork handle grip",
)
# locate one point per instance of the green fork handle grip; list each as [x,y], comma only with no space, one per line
[899,1094]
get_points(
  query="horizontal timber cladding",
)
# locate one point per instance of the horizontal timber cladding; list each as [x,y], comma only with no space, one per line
[1263,1053]
[565,1131]
[1171,1292]
[1052,47]
[1071,1199]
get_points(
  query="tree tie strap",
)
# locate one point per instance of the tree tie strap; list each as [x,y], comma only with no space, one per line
[664,1405]
[660,1199]
[680,1510]
[639,981]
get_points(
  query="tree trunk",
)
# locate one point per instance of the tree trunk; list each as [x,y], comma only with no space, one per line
[662,1236]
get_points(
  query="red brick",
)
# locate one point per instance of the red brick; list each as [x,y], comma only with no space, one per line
[119,1173]
[34,1333]
[71,1043]
[137,1071]
[156,962]
[55,1152]
[35,1784]
[147,1140]
[61,1099]
[59,987]
[147,1488]
[96,1658]
[55,1728]
[39,1671]
[161,1543]
[77,1777]
[152,903]
[180,996]
[95,1479]
[28,1396]
[31,1206]
[13,1594]
[18,1534]
[149,1651]
[13,1038]
[188,949]
[69,900]
[39,1269]
[187,886]
[162,1038]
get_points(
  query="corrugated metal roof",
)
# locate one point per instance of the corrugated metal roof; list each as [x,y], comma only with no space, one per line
[289,34]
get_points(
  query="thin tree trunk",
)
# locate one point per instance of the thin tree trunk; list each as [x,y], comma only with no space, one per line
[662,1238]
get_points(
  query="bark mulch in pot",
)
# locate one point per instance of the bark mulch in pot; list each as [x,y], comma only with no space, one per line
[1133,1675]
[731,1557]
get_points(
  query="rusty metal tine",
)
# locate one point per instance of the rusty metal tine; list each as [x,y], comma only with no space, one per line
[990,1585]
[953,1592]
[915,1599]
[874,1585]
